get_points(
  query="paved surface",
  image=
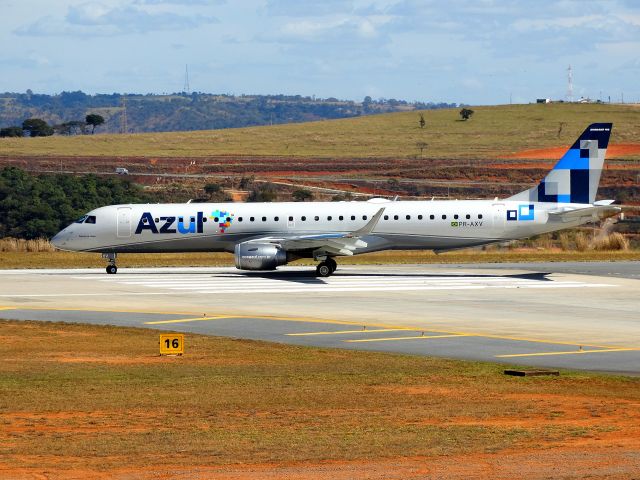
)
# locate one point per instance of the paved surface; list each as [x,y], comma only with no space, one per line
[525,314]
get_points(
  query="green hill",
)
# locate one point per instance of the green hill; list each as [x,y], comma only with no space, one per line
[492,131]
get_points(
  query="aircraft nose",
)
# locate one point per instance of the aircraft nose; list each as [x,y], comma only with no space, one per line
[60,239]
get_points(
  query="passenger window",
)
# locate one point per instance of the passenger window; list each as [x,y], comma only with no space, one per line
[353,217]
[340,218]
[386,217]
[228,219]
[316,218]
[216,219]
[275,219]
[239,219]
[251,219]
[291,219]
[480,216]
[444,217]
[158,220]
[455,217]
[90,219]
[303,218]
[432,217]
[395,217]
[364,217]
[408,217]
[264,219]
[329,218]
[468,216]
[419,217]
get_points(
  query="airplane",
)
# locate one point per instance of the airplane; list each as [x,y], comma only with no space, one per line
[264,236]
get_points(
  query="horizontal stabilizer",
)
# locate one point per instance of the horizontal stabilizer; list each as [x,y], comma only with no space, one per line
[595,212]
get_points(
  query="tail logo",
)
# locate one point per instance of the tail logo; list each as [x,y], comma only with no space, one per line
[523,213]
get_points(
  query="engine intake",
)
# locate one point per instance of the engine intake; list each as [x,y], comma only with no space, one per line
[259,256]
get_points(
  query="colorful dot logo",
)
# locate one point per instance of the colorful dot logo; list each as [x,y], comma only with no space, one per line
[223,218]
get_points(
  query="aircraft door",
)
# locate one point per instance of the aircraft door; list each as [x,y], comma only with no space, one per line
[124,222]
[499,217]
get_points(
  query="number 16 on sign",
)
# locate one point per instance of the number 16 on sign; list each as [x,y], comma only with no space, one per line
[171,344]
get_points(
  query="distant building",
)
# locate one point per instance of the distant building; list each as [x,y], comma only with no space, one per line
[543,100]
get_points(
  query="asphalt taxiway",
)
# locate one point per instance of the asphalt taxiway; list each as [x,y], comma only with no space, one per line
[556,315]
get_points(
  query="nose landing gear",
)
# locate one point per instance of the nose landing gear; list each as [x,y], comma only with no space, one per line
[326,267]
[111,258]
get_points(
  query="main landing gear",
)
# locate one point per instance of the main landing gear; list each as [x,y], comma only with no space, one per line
[326,267]
[112,269]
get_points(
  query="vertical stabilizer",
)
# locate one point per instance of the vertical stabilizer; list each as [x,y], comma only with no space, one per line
[576,177]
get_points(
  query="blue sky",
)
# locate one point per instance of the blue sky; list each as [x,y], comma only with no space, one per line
[477,52]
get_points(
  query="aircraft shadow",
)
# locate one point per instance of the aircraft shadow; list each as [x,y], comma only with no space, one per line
[309,276]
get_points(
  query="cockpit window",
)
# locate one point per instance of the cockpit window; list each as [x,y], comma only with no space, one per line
[90,219]
[81,219]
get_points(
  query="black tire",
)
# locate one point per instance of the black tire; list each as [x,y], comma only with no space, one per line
[332,264]
[112,269]
[323,270]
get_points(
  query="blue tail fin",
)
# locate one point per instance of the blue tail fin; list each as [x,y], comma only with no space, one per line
[576,176]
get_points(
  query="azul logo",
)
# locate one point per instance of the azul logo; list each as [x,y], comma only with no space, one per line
[182,225]
[224,219]
[524,212]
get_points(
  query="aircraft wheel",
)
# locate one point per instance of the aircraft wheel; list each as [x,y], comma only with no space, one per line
[332,264]
[112,269]
[323,269]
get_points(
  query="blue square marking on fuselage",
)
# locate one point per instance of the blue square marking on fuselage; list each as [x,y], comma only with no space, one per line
[526,212]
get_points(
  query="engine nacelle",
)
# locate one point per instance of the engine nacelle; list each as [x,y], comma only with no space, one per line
[259,256]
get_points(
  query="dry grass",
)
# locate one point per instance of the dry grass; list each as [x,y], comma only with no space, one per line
[612,241]
[21,245]
[99,398]
[491,132]
[490,255]
[582,242]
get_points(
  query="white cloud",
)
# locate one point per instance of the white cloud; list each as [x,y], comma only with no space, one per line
[97,19]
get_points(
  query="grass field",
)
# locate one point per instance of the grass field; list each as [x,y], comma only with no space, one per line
[79,401]
[86,260]
[492,131]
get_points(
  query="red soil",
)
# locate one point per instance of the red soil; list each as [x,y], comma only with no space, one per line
[619,150]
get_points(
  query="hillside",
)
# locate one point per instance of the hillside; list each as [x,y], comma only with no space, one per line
[492,132]
[186,112]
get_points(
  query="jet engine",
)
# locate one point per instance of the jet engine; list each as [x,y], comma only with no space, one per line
[259,256]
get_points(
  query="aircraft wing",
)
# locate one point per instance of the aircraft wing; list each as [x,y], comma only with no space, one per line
[598,210]
[339,243]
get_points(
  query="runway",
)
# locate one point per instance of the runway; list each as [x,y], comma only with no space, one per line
[516,314]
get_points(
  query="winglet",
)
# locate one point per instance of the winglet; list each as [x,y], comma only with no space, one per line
[368,228]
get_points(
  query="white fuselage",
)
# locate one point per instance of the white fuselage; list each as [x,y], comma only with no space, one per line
[200,227]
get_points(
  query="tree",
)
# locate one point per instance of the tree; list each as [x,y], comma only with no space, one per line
[37,127]
[13,131]
[421,146]
[71,128]
[466,113]
[94,120]
[422,122]
[302,195]
[211,188]
[262,192]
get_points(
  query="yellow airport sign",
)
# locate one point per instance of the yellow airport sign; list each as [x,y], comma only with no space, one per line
[171,344]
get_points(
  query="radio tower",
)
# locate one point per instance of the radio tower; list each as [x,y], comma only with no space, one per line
[123,117]
[570,84]
[186,88]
